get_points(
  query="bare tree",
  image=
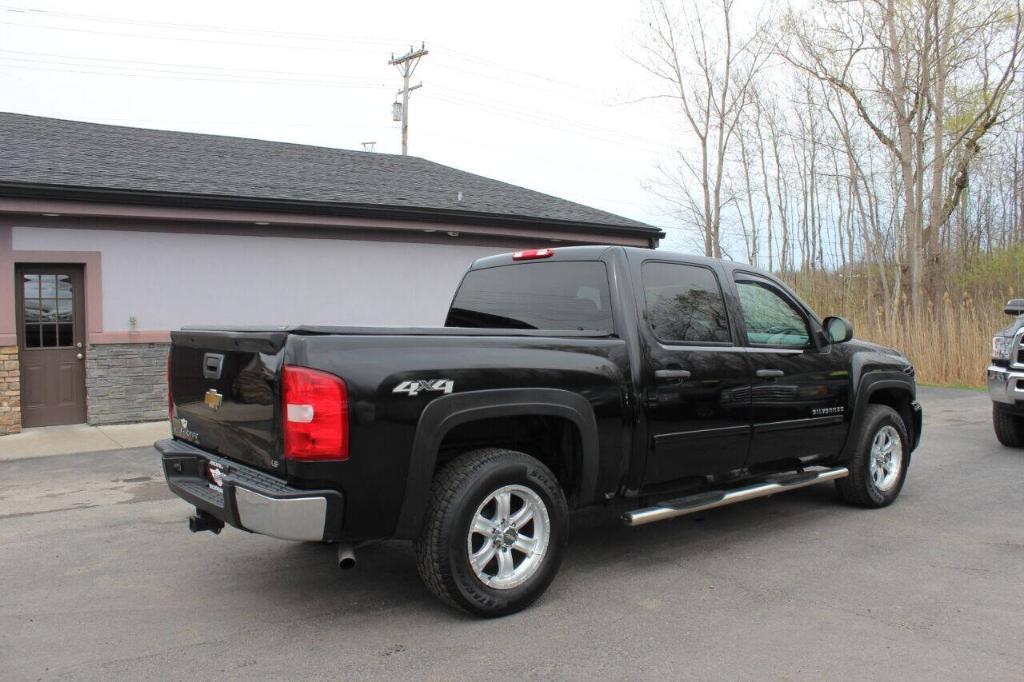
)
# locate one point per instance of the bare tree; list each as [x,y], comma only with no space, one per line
[894,62]
[708,69]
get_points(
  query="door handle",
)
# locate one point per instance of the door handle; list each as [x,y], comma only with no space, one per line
[79,356]
[770,373]
[672,374]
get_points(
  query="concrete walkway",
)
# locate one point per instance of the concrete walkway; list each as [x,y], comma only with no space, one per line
[61,440]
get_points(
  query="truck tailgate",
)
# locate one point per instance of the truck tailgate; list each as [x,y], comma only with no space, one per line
[225,395]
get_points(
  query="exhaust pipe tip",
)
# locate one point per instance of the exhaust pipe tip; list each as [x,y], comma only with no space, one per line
[346,556]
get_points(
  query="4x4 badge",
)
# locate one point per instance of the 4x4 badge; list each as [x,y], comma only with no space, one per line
[417,386]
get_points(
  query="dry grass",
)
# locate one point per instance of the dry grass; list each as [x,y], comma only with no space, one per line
[949,345]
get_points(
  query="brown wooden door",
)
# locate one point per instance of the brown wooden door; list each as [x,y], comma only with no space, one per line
[51,343]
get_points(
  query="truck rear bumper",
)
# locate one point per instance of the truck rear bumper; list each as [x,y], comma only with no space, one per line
[248,498]
[1005,386]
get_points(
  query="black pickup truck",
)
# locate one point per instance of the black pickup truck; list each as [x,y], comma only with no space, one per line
[1006,378]
[563,378]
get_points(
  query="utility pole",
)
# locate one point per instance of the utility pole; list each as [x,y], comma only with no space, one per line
[406,66]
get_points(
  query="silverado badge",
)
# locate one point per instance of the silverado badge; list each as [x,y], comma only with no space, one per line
[213,399]
[179,427]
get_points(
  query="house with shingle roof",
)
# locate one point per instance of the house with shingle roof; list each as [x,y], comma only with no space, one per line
[112,236]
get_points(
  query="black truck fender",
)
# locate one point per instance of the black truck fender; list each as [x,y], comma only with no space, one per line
[443,414]
[871,383]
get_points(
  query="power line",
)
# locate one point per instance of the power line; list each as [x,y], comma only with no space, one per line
[179,66]
[110,66]
[493,64]
[560,125]
[526,111]
[103,70]
[296,35]
[176,26]
[190,39]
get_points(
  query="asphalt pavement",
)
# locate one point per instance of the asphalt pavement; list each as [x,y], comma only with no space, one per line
[101,579]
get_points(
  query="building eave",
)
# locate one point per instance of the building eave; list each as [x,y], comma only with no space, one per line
[289,210]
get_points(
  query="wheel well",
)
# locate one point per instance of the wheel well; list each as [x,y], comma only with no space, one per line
[555,441]
[899,400]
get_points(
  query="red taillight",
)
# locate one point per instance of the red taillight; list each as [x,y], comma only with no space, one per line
[170,392]
[314,409]
[533,254]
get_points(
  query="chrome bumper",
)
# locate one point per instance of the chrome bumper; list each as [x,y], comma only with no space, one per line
[248,498]
[1005,385]
[295,518]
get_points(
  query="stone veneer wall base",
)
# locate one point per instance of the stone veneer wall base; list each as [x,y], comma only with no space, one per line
[10,390]
[126,382]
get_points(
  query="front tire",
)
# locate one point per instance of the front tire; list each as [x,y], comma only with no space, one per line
[881,456]
[1009,428]
[494,532]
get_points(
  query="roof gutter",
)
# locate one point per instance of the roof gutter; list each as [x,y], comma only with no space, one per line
[167,199]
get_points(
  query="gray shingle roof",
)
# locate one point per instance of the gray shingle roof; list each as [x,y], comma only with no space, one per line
[73,154]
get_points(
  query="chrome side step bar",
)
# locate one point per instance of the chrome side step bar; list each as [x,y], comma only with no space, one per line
[720,498]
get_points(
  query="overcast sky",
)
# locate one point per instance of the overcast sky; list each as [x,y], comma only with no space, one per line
[533,93]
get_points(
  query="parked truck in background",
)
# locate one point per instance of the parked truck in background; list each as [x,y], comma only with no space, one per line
[1006,378]
[563,378]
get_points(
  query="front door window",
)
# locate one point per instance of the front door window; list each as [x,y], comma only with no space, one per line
[770,319]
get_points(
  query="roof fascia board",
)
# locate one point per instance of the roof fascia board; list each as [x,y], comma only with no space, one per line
[318,210]
[36,208]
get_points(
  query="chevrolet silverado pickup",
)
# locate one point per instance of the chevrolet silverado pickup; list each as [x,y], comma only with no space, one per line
[563,378]
[1006,379]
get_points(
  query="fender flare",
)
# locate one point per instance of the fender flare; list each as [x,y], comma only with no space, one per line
[869,384]
[445,413]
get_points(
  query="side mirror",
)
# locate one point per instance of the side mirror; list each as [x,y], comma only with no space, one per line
[837,329]
[1015,306]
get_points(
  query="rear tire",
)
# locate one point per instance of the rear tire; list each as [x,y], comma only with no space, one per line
[494,533]
[1009,428]
[880,459]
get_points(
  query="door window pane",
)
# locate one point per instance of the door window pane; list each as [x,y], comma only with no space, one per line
[65,335]
[64,310]
[48,310]
[49,335]
[32,337]
[31,287]
[770,319]
[685,304]
[48,286]
[63,286]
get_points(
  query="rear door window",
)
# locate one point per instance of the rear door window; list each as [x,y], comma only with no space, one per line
[567,295]
[685,304]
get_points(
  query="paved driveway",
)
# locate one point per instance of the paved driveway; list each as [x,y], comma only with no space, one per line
[102,579]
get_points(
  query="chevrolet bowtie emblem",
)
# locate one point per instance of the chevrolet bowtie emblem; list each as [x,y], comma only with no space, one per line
[213,399]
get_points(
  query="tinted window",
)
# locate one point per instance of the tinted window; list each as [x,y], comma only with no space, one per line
[771,320]
[551,295]
[684,303]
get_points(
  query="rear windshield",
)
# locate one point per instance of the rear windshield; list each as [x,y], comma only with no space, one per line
[551,295]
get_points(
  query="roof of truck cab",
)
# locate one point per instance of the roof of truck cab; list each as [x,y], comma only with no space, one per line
[578,253]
